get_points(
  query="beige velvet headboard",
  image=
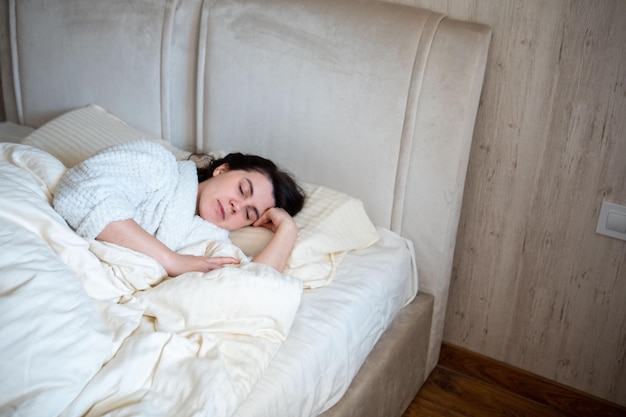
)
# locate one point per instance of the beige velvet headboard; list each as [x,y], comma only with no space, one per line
[374,99]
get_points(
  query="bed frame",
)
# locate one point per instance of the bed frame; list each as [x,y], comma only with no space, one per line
[374,99]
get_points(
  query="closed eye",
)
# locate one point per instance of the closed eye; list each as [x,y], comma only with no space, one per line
[252,213]
[246,191]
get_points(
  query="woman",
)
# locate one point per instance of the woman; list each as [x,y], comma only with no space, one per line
[138,196]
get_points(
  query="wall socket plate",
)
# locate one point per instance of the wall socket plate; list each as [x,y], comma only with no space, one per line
[612,221]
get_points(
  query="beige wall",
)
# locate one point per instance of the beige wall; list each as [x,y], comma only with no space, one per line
[533,284]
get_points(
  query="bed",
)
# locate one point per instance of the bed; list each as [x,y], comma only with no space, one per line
[371,106]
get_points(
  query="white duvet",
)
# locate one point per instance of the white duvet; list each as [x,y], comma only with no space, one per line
[93,329]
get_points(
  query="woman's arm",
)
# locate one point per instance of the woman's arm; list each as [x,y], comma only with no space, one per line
[129,234]
[276,252]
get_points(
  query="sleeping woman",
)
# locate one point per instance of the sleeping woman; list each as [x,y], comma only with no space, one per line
[137,195]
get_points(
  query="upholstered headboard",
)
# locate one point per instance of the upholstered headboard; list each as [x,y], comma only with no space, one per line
[374,99]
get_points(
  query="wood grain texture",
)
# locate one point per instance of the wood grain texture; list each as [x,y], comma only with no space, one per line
[533,388]
[465,384]
[533,284]
[449,394]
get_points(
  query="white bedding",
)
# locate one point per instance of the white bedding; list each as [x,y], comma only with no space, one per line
[92,340]
[334,331]
[92,329]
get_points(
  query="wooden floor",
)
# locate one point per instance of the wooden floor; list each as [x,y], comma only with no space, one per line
[465,384]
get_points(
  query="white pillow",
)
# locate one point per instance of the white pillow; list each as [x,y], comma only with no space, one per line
[330,224]
[76,135]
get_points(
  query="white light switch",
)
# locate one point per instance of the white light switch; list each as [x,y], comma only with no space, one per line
[616,222]
[612,220]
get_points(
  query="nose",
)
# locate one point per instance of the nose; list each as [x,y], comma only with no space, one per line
[235,206]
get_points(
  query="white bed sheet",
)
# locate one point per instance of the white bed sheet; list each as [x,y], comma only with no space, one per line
[334,331]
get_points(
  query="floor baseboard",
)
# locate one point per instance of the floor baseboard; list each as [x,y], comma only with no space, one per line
[542,391]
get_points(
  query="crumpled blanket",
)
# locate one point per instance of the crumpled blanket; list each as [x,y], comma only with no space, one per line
[116,336]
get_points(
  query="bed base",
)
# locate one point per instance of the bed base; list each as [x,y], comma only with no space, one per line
[395,369]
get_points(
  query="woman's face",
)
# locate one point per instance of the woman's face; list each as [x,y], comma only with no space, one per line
[234,199]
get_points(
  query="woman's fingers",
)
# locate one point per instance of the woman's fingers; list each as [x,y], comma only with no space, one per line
[223,260]
[273,218]
[192,263]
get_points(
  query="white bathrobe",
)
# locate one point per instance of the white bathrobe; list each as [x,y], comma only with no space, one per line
[139,180]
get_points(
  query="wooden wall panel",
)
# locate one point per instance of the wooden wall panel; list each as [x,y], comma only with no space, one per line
[533,284]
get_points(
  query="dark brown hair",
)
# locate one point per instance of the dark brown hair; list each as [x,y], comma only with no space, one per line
[288,195]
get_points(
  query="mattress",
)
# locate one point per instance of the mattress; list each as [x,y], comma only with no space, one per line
[334,331]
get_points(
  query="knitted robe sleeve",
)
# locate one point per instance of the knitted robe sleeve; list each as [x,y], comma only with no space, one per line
[135,180]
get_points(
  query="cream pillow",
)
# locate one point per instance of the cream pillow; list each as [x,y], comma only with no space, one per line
[330,224]
[76,135]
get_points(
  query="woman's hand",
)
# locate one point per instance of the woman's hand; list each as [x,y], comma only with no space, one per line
[275,218]
[276,252]
[129,234]
[177,264]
